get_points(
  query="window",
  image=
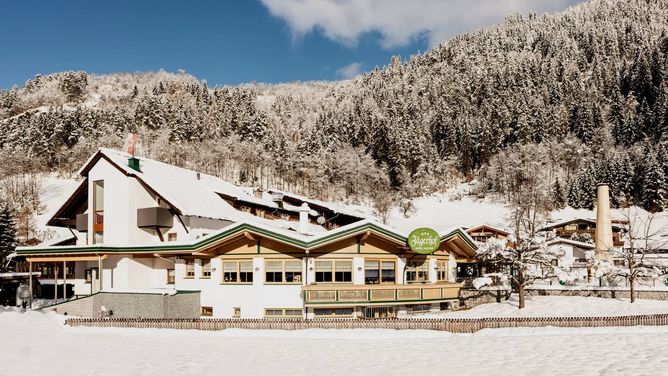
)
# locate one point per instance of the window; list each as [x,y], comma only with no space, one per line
[419,308]
[206,268]
[283,271]
[171,237]
[89,274]
[571,227]
[236,312]
[238,272]
[333,312]
[98,212]
[442,270]
[190,268]
[171,276]
[283,313]
[417,271]
[333,271]
[376,271]
[206,311]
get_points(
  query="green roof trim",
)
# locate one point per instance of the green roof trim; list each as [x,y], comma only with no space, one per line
[233,230]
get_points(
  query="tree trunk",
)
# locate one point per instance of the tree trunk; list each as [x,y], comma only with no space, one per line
[632,289]
[520,290]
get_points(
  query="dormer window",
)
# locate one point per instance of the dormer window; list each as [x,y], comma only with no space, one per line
[98,212]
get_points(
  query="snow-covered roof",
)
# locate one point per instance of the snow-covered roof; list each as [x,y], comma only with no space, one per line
[575,243]
[318,203]
[304,241]
[190,192]
[574,220]
[493,228]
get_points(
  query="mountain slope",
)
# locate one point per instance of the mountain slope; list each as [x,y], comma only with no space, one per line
[575,97]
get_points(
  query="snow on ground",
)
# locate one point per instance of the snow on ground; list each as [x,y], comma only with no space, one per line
[53,193]
[562,306]
[443,211]
[37,343]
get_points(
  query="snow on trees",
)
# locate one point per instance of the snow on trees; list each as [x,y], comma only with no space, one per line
[525,255]
[637,260]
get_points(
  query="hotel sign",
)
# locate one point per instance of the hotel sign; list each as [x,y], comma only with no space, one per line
[424,241]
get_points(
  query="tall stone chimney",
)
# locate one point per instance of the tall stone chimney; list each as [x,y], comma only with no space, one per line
[603,235]
[303,218]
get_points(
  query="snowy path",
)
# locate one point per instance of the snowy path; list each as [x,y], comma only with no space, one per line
[37,343]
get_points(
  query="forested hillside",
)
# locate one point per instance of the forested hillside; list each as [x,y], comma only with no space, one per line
[562,101]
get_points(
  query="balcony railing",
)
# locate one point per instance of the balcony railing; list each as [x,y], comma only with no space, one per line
[379,294]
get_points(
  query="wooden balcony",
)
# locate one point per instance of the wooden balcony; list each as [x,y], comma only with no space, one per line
[369,295]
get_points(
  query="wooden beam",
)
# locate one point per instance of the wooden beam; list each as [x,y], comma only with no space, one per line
[365,236]
[65,258]
[249,236]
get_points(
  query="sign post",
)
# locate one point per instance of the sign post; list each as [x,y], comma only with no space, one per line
[424,241]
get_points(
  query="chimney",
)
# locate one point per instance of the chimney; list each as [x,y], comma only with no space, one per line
[257,192]
[277,198]
[133,163]
[603,234]
[303,218]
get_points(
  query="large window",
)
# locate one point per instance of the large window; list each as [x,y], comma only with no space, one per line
[333,312]
[238,272]
[378,271]
[190,268]
[283,271]
[283,313]
[417,271]
[98,212]
[206,268]
[442,270]
[329,271]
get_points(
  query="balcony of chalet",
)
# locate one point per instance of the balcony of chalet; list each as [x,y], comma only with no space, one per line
[370,295]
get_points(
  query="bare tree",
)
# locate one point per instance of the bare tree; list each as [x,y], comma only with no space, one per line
[525,256]
[631,262]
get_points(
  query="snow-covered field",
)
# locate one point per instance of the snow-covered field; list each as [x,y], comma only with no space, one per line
[34,342]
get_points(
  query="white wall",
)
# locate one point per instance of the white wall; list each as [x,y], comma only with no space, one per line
[252,298]
[123,195]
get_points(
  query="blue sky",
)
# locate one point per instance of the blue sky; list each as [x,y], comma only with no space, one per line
[234,41]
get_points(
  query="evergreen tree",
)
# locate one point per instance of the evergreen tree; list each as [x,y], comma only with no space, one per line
[654,185]
[558,196]
[7,235]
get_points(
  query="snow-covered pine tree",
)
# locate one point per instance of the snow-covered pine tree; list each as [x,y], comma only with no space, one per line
[654,192]
[7,235]
[558,196]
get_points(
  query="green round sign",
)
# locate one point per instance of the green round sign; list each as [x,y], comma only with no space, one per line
[424,241]
[665,280]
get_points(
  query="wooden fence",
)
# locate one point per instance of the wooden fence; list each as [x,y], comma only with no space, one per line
[449,325]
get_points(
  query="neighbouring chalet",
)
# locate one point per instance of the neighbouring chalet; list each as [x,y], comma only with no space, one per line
[584,228]
[154,240]
[483,233]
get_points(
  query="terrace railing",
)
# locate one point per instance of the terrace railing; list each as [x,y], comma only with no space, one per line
[380,294]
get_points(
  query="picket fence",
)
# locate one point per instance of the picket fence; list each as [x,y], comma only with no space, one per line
[469,325]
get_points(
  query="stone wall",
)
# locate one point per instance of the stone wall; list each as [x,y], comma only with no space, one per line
[184,304]
[600,293]
[469,298]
